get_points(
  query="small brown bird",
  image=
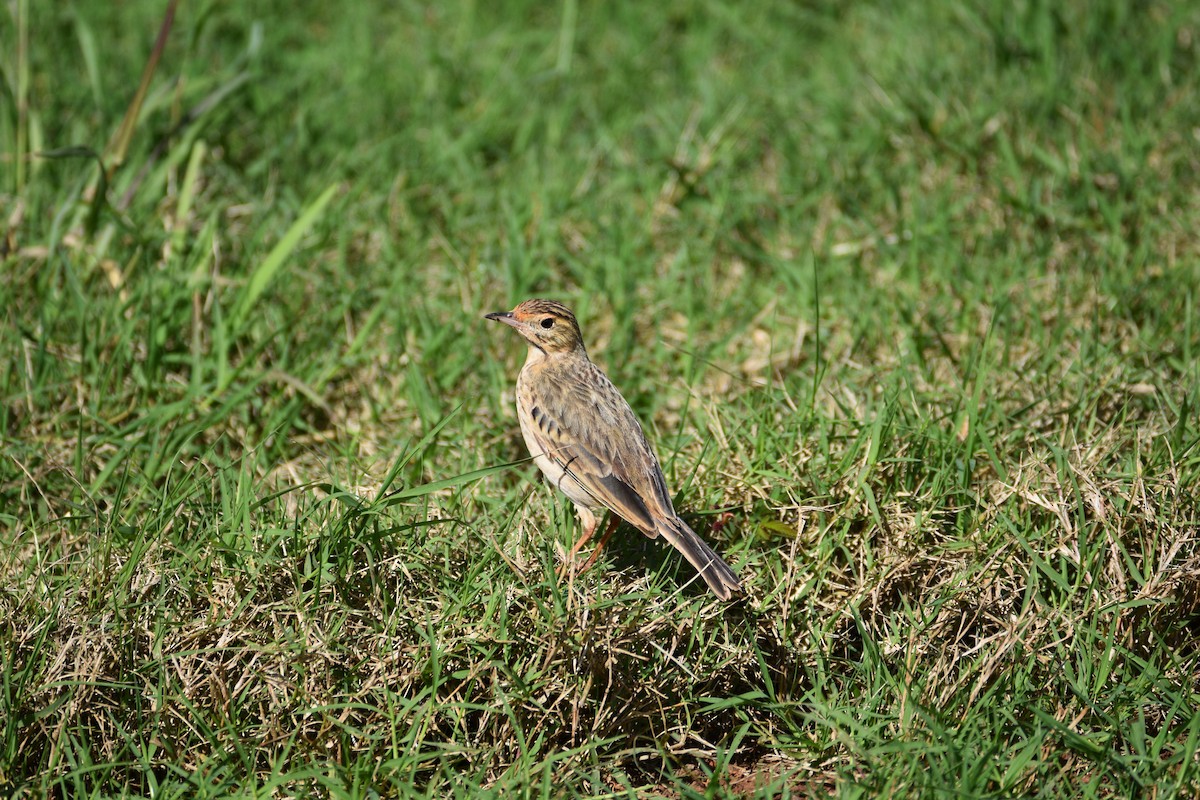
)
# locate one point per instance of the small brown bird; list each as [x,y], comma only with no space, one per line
[583,435]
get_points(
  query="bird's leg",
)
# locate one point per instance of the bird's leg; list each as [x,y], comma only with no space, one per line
[609,530]
[590,521]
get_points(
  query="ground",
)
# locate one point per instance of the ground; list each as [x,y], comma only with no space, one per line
[904,295]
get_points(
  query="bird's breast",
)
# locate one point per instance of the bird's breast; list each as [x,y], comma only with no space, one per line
[540,431]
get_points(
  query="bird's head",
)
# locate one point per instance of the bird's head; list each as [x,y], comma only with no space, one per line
[545,324]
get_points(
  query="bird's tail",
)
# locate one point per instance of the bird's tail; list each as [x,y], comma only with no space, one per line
[716,573]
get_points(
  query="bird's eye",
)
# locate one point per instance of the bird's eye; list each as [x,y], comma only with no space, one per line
[548,323]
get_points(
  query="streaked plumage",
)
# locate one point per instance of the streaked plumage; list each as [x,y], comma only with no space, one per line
[584,436]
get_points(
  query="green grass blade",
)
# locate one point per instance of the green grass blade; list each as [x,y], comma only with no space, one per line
[270,266]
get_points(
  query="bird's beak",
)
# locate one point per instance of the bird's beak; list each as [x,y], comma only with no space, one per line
[502,316]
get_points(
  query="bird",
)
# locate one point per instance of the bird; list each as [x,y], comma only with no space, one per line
[588,443]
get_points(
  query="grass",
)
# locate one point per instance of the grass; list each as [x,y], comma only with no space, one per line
[906,296]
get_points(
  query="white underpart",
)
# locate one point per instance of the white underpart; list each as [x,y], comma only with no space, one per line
[556,475]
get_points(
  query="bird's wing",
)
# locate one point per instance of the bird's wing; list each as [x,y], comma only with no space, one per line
[586,427]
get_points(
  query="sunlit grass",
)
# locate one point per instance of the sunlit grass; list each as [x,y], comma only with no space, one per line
[906,298]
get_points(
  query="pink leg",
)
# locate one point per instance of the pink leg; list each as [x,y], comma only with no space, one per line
[590,521]
[613,522]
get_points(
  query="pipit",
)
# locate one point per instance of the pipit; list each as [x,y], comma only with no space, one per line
[583,435]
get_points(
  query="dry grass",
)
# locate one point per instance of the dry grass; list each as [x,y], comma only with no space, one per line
[906,298]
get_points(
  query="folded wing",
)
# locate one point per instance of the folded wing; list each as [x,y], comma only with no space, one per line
[587,429]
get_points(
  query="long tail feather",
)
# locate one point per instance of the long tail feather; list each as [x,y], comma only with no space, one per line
[716,573]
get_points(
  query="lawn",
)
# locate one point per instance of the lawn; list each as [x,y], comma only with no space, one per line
[905,294]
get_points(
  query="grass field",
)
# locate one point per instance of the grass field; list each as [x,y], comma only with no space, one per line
[907,296]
